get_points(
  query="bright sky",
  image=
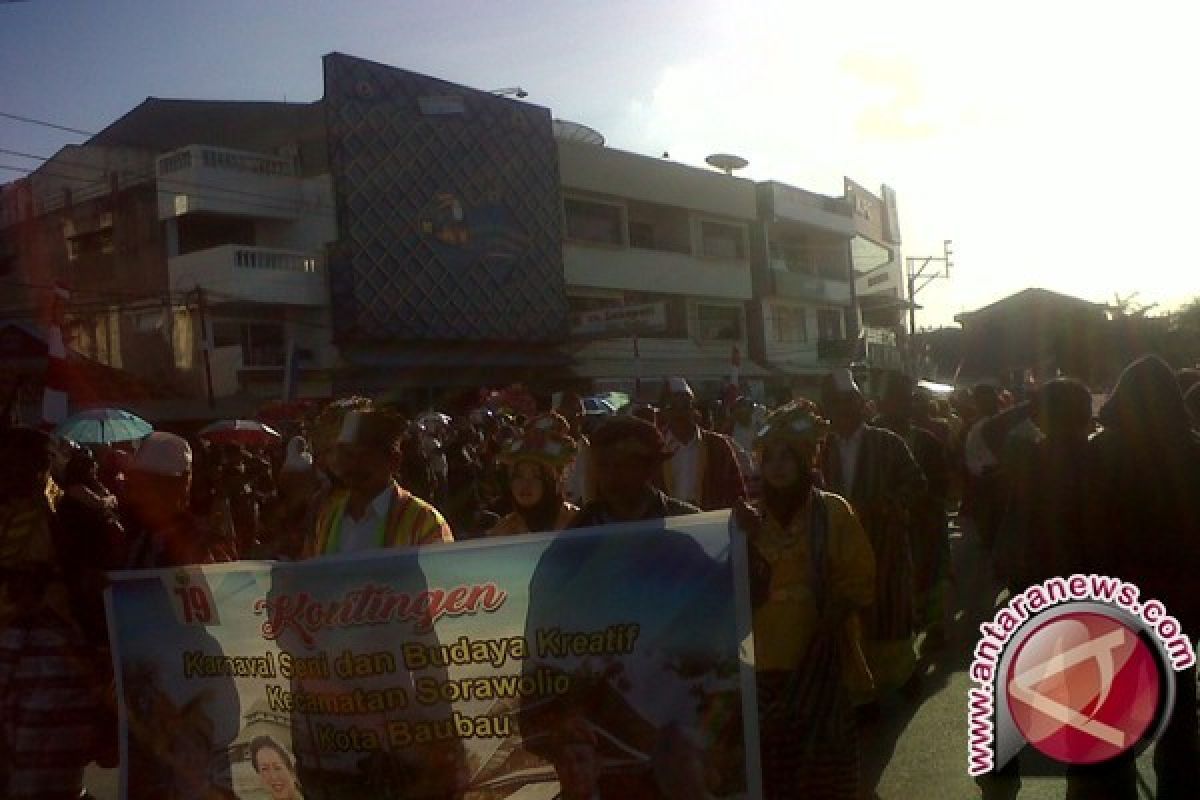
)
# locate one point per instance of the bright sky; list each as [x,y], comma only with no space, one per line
[1054,142]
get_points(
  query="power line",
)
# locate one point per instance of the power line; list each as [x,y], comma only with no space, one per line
[318,207]
[43,123]
[73,290]
[141,176]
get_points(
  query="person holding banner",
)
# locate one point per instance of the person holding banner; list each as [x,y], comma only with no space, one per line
[813,571]
[536,462]
[160,527]
[373,511]
[628,453]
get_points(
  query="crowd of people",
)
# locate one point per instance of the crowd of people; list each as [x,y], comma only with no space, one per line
[845,502]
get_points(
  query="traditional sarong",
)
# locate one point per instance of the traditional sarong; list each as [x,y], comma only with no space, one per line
[808,741]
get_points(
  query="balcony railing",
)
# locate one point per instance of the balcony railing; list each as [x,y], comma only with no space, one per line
[224,159]
[274,259]
[252,274]
[816,265]
[173,162]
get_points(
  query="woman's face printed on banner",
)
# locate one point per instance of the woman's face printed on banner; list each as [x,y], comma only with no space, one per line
[275,775]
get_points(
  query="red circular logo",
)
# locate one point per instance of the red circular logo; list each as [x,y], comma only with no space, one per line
[1083,688]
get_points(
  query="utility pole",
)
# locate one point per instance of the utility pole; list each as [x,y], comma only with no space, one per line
[204,345]
[917,267]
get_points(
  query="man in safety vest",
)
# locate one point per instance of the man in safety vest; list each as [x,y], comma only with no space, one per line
[373,511]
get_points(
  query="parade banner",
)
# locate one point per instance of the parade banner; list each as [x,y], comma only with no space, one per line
[607,662]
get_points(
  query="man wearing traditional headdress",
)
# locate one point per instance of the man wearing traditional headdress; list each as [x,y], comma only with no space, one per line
[702,468]
[373,511]
[628,453]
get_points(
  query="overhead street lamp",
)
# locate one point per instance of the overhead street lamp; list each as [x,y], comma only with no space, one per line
[514,91]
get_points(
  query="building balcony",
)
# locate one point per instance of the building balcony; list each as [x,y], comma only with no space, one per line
[786,283]
[884,356]
[200,178]
[655,271]
[790,204]
[238,274]
[839,351]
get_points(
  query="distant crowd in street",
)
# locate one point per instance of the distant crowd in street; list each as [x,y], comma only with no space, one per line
[845,500]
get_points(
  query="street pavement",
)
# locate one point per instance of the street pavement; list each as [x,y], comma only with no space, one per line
[917,750]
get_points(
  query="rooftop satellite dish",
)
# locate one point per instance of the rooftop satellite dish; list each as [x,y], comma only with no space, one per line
[574,132]
[726,162]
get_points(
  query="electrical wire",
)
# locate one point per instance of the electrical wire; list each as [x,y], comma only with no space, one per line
[297,209]
[139,176]
[43,123]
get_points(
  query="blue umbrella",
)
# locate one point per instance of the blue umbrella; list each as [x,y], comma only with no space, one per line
[104,426]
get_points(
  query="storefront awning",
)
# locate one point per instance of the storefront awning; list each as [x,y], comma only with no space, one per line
[659,368]
[800,370]
[374,368]
[449,355]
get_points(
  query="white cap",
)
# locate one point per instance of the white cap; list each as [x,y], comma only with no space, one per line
[679,386]
[163,453]
[350,424]
[298,458]
[843,380]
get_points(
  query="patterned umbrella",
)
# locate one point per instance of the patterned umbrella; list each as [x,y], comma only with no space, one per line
[240,431]
[104,426]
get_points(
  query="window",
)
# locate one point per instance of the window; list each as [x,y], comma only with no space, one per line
[96,243]
[719,240]
[262,344]
[829,325]
[667,229]
[790,325]
[718,323]
[589,221]
[833,266]
[641,234]
[578,304]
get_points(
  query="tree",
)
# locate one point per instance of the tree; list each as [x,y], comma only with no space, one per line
[1188,316]
[1126,307]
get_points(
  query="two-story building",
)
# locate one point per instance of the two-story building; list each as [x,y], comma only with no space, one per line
[804,298]
[669,246]
[177,253]
[405,235]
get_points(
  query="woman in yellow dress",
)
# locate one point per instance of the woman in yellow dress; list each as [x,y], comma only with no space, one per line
[537,462]
[812,569]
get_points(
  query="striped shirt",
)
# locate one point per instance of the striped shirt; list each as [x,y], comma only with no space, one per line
[48,708]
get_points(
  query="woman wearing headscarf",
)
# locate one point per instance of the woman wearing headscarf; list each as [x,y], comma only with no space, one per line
[537,461]
[812,571]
